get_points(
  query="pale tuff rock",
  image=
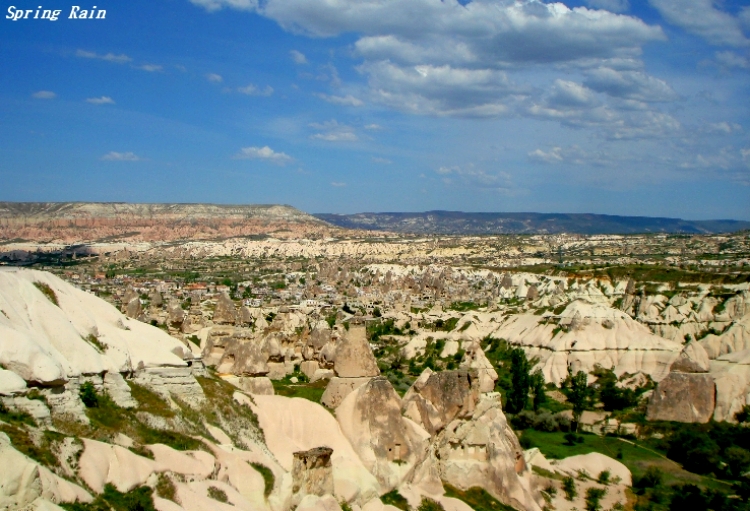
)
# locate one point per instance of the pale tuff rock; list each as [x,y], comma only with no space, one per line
[735,338]
[312,473]
[47,344]
[731,373]
[225,313]
[308,368]
[11,383]
[177,381]
[338,388]
[683,397]
[474,358]
[175,315]
[235,352]
[23,482]
[693,359]
[315,503]
[133,308]
[593,464]
[587,335]
[389,445]
[354,358]
[103,463]
[483,451]
[34,407]
[436,399]
[292,425]
[252,384]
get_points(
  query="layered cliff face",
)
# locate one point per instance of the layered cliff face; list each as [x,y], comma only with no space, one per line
[77,222]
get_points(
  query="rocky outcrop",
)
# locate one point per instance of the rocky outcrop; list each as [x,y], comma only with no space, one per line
[436,399]
[693,359]
[225,313]
[389,445]
[482,450]
[683,397]
[354,358]
[312,473]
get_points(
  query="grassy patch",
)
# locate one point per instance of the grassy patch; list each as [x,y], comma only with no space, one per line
[217,494]
[637,457]
[24,443]
[268,477]
[96,343]
[309,391]
[394,498]
[48,292]
[15,416]
[138,499]
[149,401]
[477,498]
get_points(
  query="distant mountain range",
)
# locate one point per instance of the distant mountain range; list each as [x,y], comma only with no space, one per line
[457,222]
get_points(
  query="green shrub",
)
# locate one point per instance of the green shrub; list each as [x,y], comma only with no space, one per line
[394,498]
[268,478]
[217,494]
[569,488]
[48,292]
[604,477]
[165,488]
[88,395]
[428,504]
[593,498]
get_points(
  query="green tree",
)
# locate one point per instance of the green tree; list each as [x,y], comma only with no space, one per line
[578,393]
[569,487]
[518,397]
[537,387]
[593,498]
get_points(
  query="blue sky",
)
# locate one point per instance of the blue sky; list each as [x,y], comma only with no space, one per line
[604,106]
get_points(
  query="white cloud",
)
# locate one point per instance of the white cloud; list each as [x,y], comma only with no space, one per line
[104,100]
[384,161]
[264,153]
[347,100]
[731,59]
[469,175]
[700,17]
[115,156]
[215,5]
[151,68]
[373,127]
[571,155]
[338,184]
[213,77]
[298,57]
[724,127]
[610,5]
[333,131]
[336,136]
[252,90]
[44,94]
[634,85]
[109,57]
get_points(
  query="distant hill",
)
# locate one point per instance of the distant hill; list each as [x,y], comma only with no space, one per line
[457,222]
[75,222]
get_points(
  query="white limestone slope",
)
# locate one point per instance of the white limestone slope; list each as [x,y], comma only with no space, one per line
[590,334]
[46,343]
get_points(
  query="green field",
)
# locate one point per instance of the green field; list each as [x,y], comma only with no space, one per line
[635,456]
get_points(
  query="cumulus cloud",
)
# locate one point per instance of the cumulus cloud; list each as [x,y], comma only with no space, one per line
[264,153]
[115,156]
[384,161]
[252,90]
[610,5]
[104,100]
[333,131]
[634,85]
[44,94]
[347,100]
[109,57]
[700,17]
[373,127]
[338,184]
[214,78]
[298,57]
